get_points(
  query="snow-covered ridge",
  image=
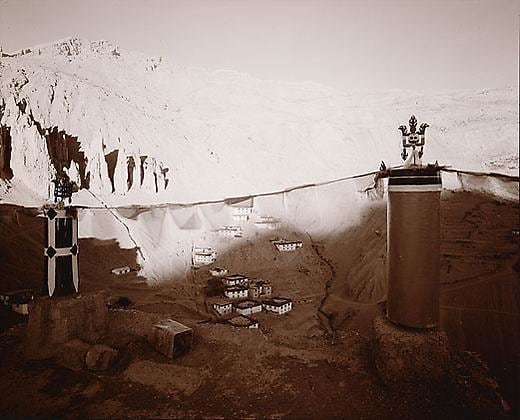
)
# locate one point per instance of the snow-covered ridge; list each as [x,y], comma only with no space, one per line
[69,46]
[137,129]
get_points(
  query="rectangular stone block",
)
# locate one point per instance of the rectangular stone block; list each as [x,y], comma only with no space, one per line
[55,321]
[171,338]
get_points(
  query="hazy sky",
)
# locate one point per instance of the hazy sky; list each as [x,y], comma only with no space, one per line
[346,44]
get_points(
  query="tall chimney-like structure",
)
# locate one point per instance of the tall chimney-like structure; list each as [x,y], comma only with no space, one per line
[413,238]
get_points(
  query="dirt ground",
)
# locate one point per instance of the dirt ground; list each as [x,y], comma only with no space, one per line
[313,362]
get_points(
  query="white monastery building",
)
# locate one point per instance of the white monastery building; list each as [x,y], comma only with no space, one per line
[283,245]
[242,210]
[268,223]
[236,292]
[278,305]
[203,256]
[247,307]
[229,232]
[221,306]
[218,271]
[260,288]
[235,280]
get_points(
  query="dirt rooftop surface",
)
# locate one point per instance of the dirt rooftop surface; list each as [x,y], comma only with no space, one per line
[314,362]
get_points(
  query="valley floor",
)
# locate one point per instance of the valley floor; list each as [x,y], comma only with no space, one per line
[313,362]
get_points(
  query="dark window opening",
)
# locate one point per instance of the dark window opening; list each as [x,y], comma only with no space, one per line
[143,160]
[131,167]
[111,160]
[5,153]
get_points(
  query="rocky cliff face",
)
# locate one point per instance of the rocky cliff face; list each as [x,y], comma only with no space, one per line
[135,129]
[55,122]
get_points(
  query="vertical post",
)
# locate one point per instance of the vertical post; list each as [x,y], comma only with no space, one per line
[413,225]
[413,238]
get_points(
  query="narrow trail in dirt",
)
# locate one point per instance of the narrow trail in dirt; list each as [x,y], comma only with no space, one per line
[322,315]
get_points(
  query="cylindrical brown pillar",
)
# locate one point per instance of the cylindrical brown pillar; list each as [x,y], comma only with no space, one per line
[413,242]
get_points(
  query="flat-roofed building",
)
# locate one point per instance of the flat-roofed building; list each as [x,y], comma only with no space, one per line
[242,209]
[218,271]
[287,246]
[229,232]
[203,256]
[268,223]
[259,288]
[243,321]
[277,305]
[235,280]
[254,291]
[247,307]
[236,292]
[221,305]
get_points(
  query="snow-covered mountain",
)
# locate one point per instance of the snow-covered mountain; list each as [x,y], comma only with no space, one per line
[135,129]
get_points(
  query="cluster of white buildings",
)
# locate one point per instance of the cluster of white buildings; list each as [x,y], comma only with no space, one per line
[241,296]
[245,297]
[238,286]
[242,211]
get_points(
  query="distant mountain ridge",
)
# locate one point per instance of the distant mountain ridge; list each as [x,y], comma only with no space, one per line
[136,129]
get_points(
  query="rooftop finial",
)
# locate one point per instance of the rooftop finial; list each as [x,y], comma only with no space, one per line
[413,139]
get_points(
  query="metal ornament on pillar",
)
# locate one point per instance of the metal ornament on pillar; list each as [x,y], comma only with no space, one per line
[61,252]
[413,238]
[414,140]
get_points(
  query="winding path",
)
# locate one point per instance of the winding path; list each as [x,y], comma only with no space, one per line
[324,318]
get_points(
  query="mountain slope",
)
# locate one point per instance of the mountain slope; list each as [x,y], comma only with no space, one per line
[141,130]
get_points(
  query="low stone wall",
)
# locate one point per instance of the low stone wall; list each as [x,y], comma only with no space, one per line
[131,321]
[69,327]
[58,320]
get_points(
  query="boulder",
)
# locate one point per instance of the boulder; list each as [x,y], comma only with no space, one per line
[409,355]
[100,357]
[72,354]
